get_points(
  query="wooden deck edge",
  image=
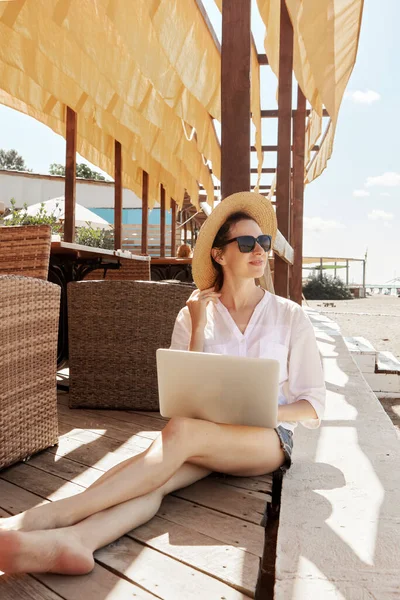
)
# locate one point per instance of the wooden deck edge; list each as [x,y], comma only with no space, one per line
[266,575]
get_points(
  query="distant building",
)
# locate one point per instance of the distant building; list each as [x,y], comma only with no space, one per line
[98,196]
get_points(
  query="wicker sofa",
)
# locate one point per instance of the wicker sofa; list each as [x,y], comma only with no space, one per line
[29,310]
[115,328]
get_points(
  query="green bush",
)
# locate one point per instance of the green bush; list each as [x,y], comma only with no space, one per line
[96,238]
[325,288]
[88,236]
[21,217]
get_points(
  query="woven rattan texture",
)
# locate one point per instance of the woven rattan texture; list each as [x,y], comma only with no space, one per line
[25,250]
[129,270]
[115,328]
[29,311]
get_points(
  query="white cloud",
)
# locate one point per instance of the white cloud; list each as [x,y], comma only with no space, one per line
[386,194]
[360,193]
[389,179]
[380,214]
[360,97]
[317,224]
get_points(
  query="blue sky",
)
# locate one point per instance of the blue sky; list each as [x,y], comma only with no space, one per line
[355,204]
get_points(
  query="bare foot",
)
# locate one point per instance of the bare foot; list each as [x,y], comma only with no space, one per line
[15,523]
[54,551]
[33,519]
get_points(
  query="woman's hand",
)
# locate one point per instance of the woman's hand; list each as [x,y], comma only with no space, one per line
[197,305]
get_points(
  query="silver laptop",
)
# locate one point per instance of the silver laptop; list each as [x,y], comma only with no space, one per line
[215,387]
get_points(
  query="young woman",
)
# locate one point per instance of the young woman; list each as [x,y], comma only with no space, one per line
[228,313]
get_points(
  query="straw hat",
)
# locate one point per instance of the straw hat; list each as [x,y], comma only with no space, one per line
[255,205]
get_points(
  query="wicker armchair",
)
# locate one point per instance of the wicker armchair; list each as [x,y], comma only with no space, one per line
[25,250]
[29,311]
[115,328]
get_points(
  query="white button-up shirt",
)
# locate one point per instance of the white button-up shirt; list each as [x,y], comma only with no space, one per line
[279,329]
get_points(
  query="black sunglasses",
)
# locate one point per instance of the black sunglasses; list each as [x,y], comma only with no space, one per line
[247,243]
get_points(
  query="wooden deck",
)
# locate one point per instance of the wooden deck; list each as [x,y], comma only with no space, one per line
[206,541]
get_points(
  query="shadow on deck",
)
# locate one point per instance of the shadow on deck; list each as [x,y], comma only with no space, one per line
[206,541]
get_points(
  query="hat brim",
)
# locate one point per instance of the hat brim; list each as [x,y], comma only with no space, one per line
[255,205]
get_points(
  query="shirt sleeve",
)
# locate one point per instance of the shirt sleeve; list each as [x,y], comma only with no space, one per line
[182,331]
[306,377]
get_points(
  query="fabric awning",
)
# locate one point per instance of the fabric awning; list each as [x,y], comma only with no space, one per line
[147,73]
[142,72]
[326,34]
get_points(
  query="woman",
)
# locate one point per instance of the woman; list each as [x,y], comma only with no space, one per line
[229,314]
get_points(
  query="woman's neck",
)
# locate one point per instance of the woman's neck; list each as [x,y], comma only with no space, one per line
[237,295]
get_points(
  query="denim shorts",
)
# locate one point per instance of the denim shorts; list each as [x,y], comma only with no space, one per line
[286,440]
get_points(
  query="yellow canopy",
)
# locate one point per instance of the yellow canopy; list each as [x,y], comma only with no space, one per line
[142,72]
[326,34]
[147,73]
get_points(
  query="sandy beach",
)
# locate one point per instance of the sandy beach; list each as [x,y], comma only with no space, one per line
[376,318]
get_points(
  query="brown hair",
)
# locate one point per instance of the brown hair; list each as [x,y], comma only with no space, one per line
[220,240]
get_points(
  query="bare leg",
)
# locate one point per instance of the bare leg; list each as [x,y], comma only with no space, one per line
[35,519]
[231,449]
[70,550]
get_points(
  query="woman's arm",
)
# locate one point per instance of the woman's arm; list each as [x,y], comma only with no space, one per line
[301,410]
[197,340]
[306,389]
[197,305]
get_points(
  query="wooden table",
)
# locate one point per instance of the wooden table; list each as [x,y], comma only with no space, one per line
[72,262]
[171,268]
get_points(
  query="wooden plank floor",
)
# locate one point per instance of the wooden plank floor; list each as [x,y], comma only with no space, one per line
[206,541]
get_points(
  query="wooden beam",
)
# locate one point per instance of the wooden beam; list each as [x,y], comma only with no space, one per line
[235,96]
[162,220]
[273,113]
[184,229]
[283,249]
[275,148]
[191,223]
[253,170]
[145,211]
[269,170]
[262,59]
[283,171]
[117,196]
[173,227]
[209,26]
[299,136]
[70,176]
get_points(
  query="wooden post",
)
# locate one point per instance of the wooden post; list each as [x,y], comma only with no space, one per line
[235,96]
[364,274]
[184,229]
[334,271]
[283,171]
[299,135]
[70,176]
[145,211]
[117,196]
[162,220]
[321,264]
[173,227]
[191,233]
[347,272]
